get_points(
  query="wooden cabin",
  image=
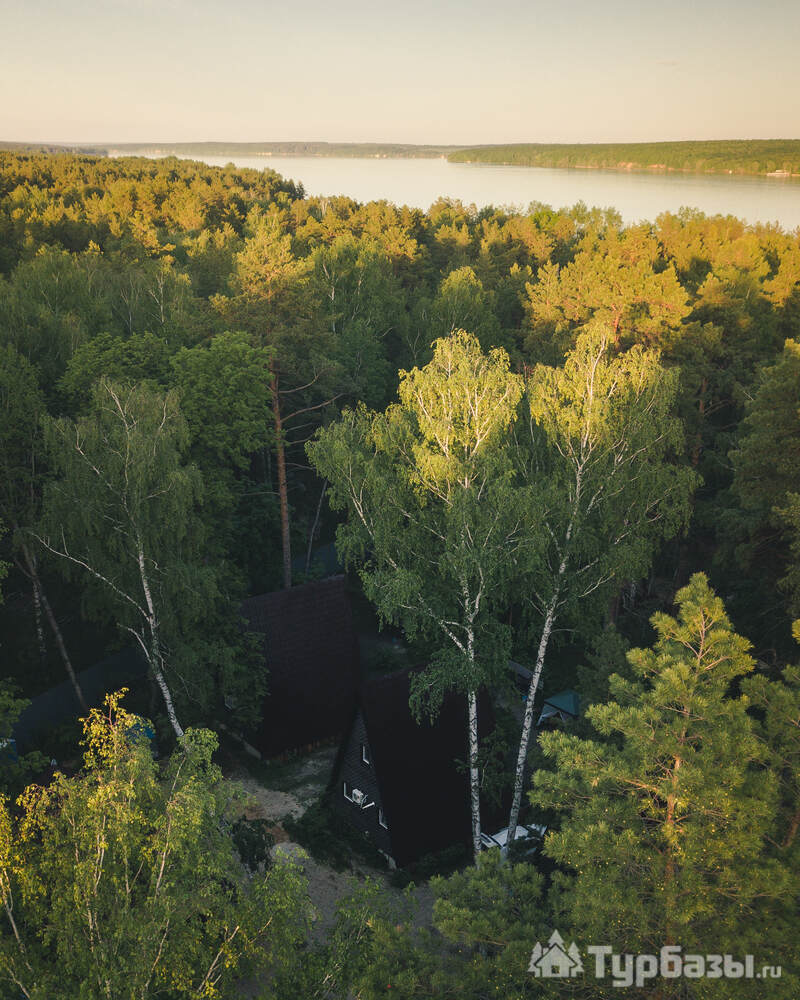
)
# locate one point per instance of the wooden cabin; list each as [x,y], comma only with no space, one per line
[311,652]
[399,782]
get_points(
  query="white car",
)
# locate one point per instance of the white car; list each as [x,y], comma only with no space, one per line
[532,835]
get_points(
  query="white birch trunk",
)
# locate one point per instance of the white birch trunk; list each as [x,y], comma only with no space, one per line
[547,629]
[474,784]
[527,722]
[471,610]
[154,652]
[51,618]
[54,627]
[314,527]
[162,683]
[37,614]
[283,489]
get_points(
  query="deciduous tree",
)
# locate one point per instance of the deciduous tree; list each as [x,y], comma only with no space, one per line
[122,882]
[122,516]
[599,453]
[433,517]
[21,482]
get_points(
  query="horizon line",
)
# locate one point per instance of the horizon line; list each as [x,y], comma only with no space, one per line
[376,142]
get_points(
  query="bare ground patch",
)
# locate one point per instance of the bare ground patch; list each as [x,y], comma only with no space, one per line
[287,789]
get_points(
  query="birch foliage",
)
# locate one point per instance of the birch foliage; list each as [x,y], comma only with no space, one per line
[600,451]
[434,517]
[433,521]
[602,445]
[122,517]
[122,882]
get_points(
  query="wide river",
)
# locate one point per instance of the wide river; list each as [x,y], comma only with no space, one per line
[637,196]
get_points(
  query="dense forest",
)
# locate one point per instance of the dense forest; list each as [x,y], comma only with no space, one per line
[743,156]
[238,149]
[546,438]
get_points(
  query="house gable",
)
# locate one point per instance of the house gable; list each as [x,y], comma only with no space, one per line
[414,774]
[311,653]
[356,788]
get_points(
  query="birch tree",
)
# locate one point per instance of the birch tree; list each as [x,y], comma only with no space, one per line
[21,478]
[599,450]
[123,882]
[3,565]
[122,518]
[434,519]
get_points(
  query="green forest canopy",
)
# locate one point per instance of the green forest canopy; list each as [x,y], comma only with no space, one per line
[724,156]
[215,319]
[719,156]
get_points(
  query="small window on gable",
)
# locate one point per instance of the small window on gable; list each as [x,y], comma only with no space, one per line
[382,819]
[346,791]
[365,758]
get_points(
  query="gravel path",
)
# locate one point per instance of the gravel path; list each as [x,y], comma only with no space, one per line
[303,782]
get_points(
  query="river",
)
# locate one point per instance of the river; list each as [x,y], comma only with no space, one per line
[638,196]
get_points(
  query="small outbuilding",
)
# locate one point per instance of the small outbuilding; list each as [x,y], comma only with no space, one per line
[565,705]
[311,652]
[400,782]
[59,704]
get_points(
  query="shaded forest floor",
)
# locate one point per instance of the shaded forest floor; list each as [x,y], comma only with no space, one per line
[285,790]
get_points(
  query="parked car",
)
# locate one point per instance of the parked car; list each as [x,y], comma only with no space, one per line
[528,837]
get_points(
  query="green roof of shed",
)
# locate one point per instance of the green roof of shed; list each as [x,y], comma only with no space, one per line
[564,703]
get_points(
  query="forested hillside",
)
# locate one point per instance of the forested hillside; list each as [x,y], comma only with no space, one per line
[528,433]
[239,149]
[728,156]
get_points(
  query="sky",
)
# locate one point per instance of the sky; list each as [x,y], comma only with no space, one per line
[456,72]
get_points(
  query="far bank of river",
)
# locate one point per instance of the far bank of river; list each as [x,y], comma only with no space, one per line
[638,196]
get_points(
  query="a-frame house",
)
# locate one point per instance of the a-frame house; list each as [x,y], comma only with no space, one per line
[400,782]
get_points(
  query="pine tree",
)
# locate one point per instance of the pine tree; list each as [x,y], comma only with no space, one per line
[669,810]
[777,703]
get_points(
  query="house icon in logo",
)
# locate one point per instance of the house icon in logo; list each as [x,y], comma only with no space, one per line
[554,961]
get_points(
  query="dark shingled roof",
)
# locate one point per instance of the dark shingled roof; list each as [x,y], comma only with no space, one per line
[59,704]
[312,658]
[425,793]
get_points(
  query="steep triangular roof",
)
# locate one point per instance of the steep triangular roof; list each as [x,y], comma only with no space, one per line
[424,791]
[311,651]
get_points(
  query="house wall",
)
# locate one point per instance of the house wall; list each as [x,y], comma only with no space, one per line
[357,774]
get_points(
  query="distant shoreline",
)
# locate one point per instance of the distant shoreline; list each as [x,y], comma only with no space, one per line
[268,150]
[630,168]
[153,151]
[777,159]
[774,158]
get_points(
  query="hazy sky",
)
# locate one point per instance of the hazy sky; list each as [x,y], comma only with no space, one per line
[405,71]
